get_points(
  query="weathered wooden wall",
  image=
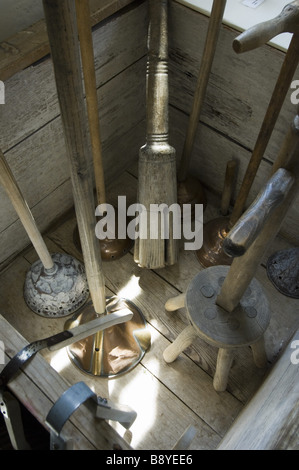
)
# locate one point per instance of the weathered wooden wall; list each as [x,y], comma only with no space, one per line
[31,132]
[238,93]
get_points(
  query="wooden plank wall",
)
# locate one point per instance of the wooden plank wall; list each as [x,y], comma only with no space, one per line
[238,93]
[239,90]
[31,132]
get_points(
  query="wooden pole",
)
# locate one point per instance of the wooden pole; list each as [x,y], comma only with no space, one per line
[202,83]
[61,23]
[287,21]
[237,279]
[13,191]
[228,186]
[87,57]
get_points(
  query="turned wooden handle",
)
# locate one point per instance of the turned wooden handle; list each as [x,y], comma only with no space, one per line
[17,199]
[252,221]
[286,22]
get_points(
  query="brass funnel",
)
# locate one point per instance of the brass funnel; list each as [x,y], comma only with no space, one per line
[113,351]
[111,248]
[190,191]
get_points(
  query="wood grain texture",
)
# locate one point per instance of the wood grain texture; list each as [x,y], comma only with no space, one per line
[260,34]
[270,419]
[40,387]
[32,136]
[181,393]
[252,221]
[30,45]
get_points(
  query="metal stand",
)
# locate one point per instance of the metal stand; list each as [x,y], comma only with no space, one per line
[70,401]
[283,271]
[59,291]
[114,351]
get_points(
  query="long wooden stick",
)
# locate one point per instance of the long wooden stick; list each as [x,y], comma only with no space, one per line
[13,191]
[87,57]
[202,82]
[237,279]
[63,37]
[288,20]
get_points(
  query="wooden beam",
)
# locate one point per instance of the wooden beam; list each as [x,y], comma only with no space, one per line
[30,45]
[43,386]
[270,419]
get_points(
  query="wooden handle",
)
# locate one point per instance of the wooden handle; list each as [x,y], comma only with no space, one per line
[228,186]
[202,83]
[157,72]
[62,30]
[286,22]
[94,326]
[10,185]
[253,220]
[277,100]
[87,57]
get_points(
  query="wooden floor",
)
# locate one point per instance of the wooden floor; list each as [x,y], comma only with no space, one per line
[167,397]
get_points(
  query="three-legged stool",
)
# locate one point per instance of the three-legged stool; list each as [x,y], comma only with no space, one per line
[226,306]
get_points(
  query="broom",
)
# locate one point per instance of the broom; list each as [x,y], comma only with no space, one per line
[157,159]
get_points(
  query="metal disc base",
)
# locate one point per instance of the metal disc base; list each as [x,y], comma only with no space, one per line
[58,293]
[283,271]
[244,326]
[113,351]
[191,192]
[211,253]
[111,249]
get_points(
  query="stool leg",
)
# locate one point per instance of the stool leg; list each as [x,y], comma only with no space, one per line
[175,303]
[224,362]
[259,353]
[184,339]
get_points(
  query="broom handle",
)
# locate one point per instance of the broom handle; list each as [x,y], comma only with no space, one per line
[10,185]
[281,89]
[202,82]
[61,23]
[157,73]
[87,57]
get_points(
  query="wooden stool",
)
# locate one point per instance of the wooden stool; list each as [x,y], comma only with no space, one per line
[226,305]
[242,327]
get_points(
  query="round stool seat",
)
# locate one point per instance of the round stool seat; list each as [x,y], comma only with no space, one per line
[244,326]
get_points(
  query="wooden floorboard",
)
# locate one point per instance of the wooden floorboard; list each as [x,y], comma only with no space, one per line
[167,397]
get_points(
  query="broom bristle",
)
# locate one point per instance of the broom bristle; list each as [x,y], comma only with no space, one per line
[156,246]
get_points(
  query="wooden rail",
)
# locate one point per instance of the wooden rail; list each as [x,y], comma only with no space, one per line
[270,420]
[31,44]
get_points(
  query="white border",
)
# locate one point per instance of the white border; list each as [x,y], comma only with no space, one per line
[241,17]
